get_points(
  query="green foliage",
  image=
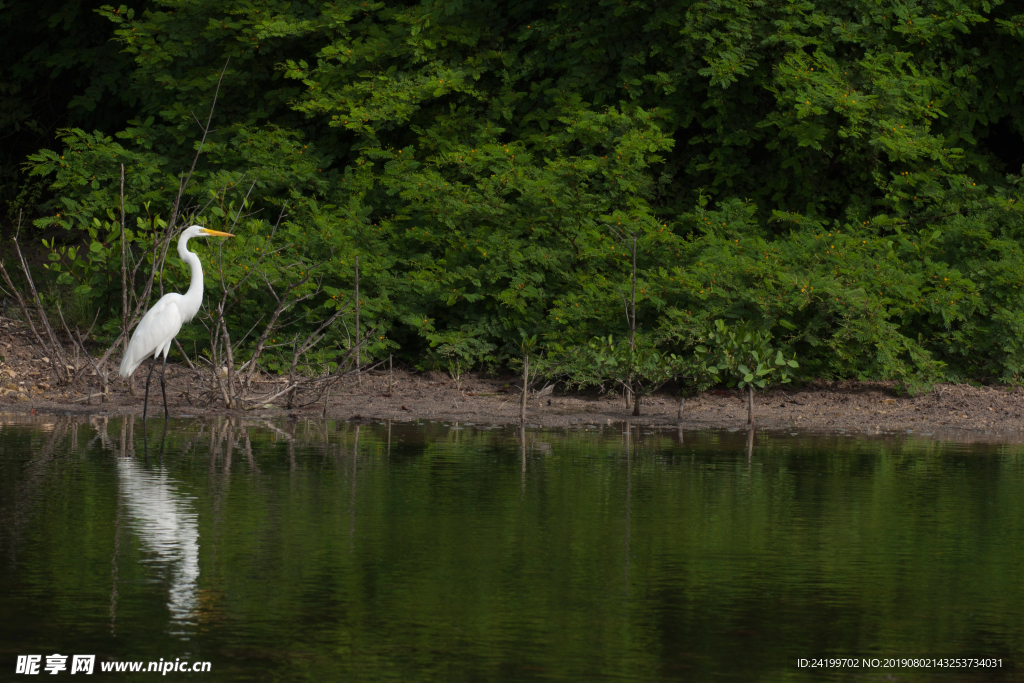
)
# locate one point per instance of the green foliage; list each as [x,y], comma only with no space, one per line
[841,175]
[459,350]
[744,356]
[93,269]
[639,367]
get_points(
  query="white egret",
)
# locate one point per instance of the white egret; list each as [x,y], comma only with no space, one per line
[162,323]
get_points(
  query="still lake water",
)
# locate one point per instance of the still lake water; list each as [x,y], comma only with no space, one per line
[326,551]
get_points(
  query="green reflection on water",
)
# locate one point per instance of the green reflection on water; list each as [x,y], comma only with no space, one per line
[316,550]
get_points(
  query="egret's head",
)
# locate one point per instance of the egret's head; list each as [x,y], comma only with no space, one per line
[200,231]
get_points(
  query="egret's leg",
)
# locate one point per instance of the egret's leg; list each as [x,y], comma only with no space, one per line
[163,386]
[145,402]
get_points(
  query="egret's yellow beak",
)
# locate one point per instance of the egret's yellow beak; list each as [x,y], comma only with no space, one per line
[216,233]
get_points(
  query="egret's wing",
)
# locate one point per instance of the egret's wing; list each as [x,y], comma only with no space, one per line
[158,327]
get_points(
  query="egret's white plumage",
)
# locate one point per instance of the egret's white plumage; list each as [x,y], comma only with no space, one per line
[161,324]
[157,330]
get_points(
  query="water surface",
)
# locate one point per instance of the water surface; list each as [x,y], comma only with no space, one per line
[322,550]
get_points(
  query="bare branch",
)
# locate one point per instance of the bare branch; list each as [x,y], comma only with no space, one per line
[206,131]
[55,351]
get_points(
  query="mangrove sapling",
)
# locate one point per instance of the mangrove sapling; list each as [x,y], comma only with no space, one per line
[631,314]
[634,365]
[699,371]
[554,364]
[628,390]
[745,356]
[643,369]
[460,350]
[526,346]
[359,377]
[526,381]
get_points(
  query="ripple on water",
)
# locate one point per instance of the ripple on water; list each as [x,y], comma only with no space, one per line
[407,551]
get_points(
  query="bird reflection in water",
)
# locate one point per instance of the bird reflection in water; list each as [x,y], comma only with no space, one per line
[166,526]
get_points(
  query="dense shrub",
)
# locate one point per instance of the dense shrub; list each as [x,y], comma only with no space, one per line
[841,174]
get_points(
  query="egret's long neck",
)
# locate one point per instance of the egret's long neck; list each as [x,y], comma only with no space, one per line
[194,296]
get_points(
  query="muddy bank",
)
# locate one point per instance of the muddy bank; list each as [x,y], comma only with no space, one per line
[953,412]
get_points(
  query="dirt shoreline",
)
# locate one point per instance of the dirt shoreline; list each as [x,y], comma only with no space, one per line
[955,412]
